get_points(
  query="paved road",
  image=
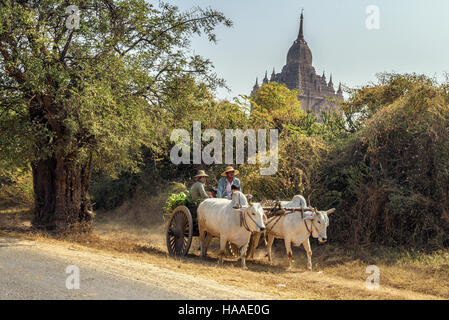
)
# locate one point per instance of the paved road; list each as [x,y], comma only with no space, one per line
[27,273]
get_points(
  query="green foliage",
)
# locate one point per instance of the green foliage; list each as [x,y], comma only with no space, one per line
[95,98]
[303,143]
[384,163]
[179,199]
[16,186]
[97,93]
[299,156]
[390,180]
[112,92]
[275,106]
[108,192]
[366,101]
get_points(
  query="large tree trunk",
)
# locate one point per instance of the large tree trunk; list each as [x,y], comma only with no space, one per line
[61,194]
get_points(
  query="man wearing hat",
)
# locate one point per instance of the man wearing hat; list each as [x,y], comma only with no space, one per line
[226,182]
[197,190]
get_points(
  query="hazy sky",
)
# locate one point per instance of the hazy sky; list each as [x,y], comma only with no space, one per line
[413,36]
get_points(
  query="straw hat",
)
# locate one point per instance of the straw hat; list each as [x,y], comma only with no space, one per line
[200,174]
[229,169]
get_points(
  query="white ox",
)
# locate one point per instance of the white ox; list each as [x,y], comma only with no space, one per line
[219,218]
[296,228]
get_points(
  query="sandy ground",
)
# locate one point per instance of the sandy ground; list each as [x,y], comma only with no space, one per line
[36,270]
[120,249]
[194,279]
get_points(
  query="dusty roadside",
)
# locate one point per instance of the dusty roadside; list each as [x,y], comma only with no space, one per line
[171,284]
[338,273]
[200,279]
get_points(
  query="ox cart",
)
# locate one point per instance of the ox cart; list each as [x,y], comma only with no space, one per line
[182,226]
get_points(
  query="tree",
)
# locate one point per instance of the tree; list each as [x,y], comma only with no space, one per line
[390,179]
[274,105]
[75,98]
[366,101]
[277,106]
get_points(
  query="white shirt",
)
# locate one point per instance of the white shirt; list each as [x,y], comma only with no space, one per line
[228,189]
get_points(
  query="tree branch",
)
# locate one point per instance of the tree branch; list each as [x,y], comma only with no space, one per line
[66,47]
[12,72]
[151,40]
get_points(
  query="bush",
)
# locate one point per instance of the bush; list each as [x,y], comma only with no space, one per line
[108,192]
[390,181]
[299,157]
[16,187]
[386,169]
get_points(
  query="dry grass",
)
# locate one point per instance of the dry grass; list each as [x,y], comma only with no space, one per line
[15,218]
[131,231]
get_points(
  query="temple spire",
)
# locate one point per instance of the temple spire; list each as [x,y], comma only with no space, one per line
[273,75]
[331,84]
[256,87]
[340,91]
[265,80]
[301,27]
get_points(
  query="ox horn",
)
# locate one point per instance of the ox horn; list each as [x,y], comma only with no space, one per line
[331,211]
[250,199]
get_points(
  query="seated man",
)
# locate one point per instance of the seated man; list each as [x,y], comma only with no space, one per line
[225,183]
[197,190]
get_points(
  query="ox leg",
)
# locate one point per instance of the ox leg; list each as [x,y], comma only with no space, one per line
[201,238]
[243,256]
[205,244]
[288,249]
[254,243]
[269,245]
[306,245]
[208,240]
[222,250]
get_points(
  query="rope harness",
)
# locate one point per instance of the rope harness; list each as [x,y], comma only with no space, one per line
[243,222]
[309,230]
[275,217]
[278,217]
[243,215]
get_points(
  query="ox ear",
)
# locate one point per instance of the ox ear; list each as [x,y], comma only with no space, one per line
[330,211]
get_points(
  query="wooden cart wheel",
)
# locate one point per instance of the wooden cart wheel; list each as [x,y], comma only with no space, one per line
[179,232]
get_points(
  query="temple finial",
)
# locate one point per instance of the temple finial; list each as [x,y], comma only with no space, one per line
[256,87]
[301,27]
